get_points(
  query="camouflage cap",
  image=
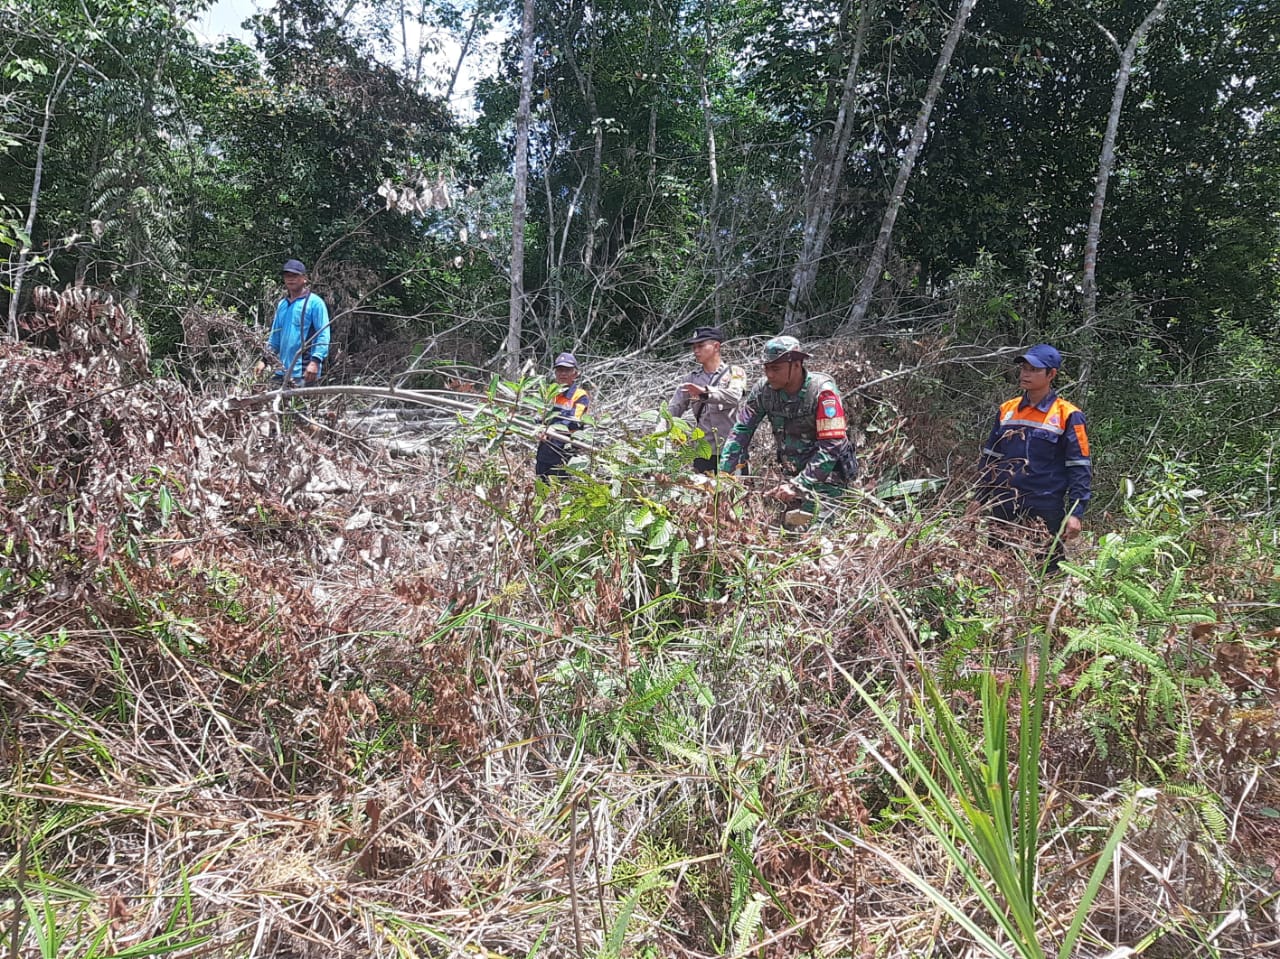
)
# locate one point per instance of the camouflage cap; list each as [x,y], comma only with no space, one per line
[784,348]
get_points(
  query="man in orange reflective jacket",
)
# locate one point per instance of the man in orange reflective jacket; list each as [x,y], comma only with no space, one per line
[565,416]
[1035,465]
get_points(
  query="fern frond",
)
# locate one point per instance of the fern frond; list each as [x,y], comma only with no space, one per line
[1144,600]
[1213,818]
[749,921]
[744,819]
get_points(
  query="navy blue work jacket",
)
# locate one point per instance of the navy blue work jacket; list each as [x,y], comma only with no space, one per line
[1037,457]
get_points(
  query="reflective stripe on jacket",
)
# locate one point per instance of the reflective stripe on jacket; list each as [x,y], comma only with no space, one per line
[1037,457]
[568,408]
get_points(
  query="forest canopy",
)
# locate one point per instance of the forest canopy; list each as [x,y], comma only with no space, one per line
[687,162]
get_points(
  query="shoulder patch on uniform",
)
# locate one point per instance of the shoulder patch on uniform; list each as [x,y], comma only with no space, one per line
[830,420]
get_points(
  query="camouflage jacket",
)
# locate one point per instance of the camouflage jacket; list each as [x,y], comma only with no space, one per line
[808,429]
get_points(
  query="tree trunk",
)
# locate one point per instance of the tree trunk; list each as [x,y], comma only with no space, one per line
[713,173]
[24,251]
[587,87]
[462,55]
[86,212]
[869,280]
[1107,160]
[820,208]
[653,67]
[511,351]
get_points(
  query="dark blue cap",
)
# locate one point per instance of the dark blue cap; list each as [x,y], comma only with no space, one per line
[566,359]
[704,334]
[1044,356]
[294,266]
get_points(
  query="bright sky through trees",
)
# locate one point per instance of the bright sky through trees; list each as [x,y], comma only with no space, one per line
[225,18]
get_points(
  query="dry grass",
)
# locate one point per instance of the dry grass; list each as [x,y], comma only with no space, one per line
[339,704]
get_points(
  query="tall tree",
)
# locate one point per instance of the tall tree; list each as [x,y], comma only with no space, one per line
[713,168]
[862,300]
[1107,159]
[828,164]
[22,253]
[515,316]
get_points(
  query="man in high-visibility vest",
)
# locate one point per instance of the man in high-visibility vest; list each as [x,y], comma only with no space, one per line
[1035,468]
[568,407]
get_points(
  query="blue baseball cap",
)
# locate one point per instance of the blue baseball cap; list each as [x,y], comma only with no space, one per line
[1043,356]
[294,266]
[566,359]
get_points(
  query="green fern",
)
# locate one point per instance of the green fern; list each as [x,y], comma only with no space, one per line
[744,818]
[1144,600]
[1173,589]
[1136,590]
[749,921]
[1213,818]
[1111,676]
[1208,807]
[618,931]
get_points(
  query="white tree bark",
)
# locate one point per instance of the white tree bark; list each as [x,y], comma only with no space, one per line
[867,287]
[1107,160]
[820,206]
[515,319]
[713,172]
[462,55]
[23,261]
[592,180]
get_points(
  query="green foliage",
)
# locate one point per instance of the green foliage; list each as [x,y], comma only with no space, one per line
[981,799]
[1208,807]
[1128,674]
[11,232]
[617,934]
[644,875]
[23,649]
[154,502]
[1189,435]
[613,539]
[56,914]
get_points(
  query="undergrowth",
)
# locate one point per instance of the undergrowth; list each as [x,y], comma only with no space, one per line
[431,707]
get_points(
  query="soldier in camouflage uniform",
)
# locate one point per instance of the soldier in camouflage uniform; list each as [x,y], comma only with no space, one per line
[806,416]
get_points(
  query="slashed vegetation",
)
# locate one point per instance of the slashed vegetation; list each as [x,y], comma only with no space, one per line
[270,691]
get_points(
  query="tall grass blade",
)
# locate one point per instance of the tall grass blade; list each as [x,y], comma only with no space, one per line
[1099,872]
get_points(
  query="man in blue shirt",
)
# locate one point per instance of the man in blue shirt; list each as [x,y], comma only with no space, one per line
[299,342]
[1035,467]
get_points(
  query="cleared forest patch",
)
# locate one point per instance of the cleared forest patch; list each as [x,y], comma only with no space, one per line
[270,691]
